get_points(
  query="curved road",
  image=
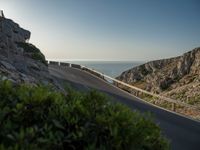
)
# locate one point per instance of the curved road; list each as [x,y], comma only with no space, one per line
[183,133]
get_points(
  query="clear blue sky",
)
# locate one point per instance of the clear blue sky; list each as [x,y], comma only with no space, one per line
[109,29]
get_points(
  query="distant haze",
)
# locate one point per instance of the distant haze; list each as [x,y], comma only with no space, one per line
[136,30]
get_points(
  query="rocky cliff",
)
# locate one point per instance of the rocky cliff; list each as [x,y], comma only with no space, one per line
[177,77]
[20,61]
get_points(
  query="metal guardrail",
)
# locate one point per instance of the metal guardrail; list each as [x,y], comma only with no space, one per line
[103,76]
[146,92]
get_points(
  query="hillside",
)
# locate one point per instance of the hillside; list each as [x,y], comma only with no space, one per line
[178,77]
[21,61]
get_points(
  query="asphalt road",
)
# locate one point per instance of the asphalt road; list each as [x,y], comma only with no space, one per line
[183,133]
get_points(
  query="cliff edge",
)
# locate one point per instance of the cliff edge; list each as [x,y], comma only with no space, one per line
[20,61]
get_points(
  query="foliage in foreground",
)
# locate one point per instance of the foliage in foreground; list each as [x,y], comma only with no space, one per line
[40,118]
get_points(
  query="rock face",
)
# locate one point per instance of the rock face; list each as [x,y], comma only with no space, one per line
[20,61]
[177,77]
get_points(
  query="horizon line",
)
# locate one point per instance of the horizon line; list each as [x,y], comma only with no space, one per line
[57,59]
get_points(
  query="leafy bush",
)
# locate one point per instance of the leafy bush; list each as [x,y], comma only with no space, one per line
[33,51]
[41,118]
[29,48]
[40,57]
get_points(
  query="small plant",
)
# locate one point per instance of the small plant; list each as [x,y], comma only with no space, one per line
[144,71]
[41,118]
[40,57]
[194,100]
[29,48]
[32,51]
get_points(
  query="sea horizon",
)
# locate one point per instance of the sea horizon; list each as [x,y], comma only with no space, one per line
[93,60]
[111,68]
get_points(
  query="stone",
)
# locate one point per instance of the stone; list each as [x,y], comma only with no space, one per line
[7,65]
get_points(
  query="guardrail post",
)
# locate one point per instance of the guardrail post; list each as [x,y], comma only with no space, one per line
[136,94]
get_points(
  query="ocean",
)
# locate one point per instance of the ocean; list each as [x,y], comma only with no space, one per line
[110,68]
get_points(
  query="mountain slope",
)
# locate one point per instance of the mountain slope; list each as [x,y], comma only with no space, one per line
[177,77]
[20,61]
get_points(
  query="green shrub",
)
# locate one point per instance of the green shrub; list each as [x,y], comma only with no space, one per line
[29,48]
[33,51]
[41,118]
[40,57]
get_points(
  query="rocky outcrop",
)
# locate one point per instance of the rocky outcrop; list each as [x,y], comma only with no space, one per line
[169,77]
[20,61]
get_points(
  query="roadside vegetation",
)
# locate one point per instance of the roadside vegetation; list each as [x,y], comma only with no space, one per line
[41,118]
